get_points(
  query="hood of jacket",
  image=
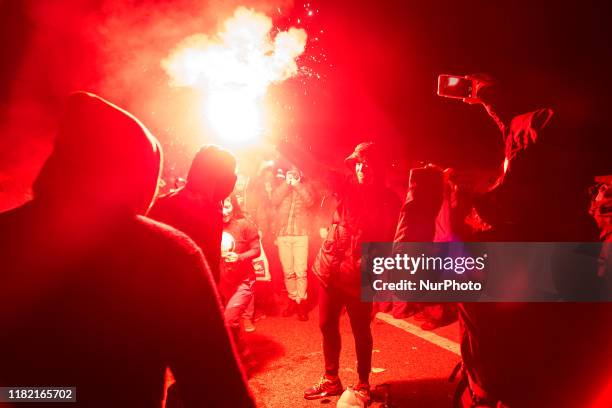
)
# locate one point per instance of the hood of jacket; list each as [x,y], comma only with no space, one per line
[103,158]
[370,153]
[212,173]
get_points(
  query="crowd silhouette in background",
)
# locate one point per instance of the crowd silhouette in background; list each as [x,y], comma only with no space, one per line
[104,286]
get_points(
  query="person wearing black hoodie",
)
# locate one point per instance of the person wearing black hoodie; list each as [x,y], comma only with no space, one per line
[197,208]
[535,354]
[96,296]
[367,211]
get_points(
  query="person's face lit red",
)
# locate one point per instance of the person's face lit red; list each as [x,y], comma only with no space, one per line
[363,172]
[228,209]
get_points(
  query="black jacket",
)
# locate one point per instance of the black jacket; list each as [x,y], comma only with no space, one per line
[365,213]
[99,298]
[199,218]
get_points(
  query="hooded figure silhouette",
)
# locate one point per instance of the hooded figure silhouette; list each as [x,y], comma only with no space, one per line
[196,209]
[94,295]
[103,158]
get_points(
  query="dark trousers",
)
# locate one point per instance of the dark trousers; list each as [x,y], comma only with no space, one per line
[331,301]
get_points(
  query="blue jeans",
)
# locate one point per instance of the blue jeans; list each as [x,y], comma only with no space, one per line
[249,312]
[238,303]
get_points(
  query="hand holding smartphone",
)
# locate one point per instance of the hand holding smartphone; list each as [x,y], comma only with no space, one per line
[461,87]
[292,178]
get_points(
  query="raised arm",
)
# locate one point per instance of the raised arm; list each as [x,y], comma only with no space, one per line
[280,193]
[305,194]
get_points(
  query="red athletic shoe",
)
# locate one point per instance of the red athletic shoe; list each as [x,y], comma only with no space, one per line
[324,388]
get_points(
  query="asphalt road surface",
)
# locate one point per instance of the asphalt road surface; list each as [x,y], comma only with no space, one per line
[411,367]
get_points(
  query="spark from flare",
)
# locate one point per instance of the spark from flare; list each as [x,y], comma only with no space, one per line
[234,69]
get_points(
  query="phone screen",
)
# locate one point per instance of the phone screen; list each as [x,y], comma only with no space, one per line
[451,86]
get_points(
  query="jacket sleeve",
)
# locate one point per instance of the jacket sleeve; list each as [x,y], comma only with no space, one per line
[201,353]
[417,217]
[525,164]
[305,193]
[279,194]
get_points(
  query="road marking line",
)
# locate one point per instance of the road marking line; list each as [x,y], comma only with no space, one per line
[429,336]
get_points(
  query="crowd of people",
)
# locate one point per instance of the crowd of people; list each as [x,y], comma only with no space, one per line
[104,285]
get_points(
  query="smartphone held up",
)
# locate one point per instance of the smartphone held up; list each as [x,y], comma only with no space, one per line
[457,87]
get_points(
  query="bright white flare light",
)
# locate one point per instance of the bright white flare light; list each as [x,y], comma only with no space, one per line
[233,116]
[234,69]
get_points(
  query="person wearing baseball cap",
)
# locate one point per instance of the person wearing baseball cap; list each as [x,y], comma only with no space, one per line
[367,211]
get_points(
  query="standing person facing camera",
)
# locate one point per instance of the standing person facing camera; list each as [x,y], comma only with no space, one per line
[239,246]
[293,200]
[367,211]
